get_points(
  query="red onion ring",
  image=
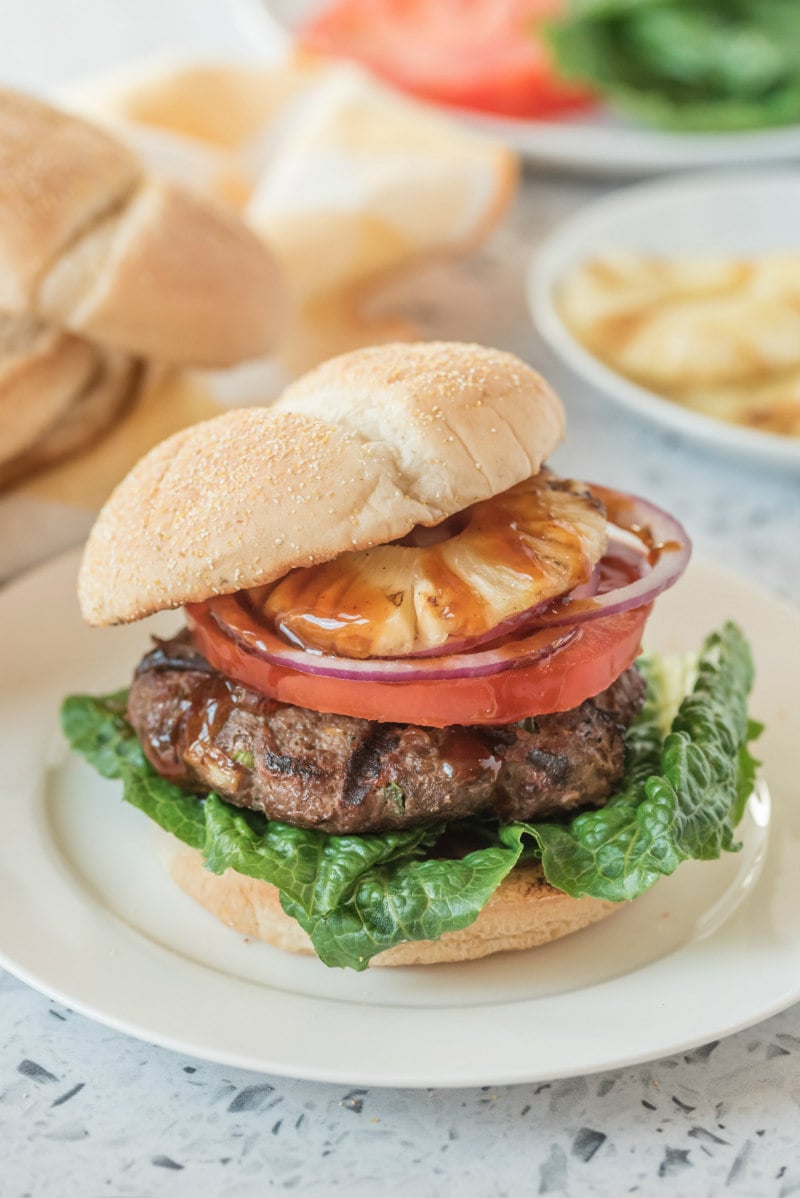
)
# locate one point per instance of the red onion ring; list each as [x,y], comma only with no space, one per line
[660,552]
[235,622]
[665,548]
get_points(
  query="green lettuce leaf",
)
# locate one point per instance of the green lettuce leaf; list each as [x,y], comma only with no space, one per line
[691,65]
[680,799]
[409,900]
[99,731]
[748,770]
[315,871]
[688,774]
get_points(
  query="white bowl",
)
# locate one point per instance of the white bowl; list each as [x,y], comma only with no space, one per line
[721,213]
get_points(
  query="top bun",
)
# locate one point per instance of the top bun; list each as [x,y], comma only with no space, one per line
[90,243]
[353,455]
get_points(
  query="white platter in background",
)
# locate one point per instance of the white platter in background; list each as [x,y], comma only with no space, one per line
[88,915]
[719,213]
[602,144]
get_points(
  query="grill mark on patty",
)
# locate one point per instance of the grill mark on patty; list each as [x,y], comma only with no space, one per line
[554,765]
[366,763]
[279,763]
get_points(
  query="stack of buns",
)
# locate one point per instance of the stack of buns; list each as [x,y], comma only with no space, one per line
[104,269]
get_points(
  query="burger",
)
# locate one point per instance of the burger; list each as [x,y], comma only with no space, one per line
[404,721]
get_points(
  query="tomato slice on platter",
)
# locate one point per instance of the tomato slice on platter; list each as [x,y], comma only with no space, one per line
[485,55]
[587,665]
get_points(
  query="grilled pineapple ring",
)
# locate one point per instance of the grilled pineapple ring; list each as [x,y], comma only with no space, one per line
[455,581]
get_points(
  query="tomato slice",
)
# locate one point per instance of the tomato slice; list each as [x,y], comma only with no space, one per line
[487,55]
[590,663]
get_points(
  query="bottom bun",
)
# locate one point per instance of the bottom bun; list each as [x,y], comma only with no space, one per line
[524,911]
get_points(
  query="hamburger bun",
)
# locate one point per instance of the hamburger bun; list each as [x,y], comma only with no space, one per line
[90,243]
[354,455]
[524,912]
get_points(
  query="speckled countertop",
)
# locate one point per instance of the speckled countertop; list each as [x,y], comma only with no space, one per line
[86,1112]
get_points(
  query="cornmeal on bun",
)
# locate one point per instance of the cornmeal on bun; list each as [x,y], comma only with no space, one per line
[403,722]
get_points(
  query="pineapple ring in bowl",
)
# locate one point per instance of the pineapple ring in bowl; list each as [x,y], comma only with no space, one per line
[454,582]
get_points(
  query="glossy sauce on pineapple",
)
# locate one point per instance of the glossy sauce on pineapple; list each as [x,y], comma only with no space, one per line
[455,582]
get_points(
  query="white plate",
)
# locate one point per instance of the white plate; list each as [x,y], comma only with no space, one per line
[88,915]
[718,213]
[600,145]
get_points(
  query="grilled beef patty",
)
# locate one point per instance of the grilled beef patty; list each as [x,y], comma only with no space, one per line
[204,732]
